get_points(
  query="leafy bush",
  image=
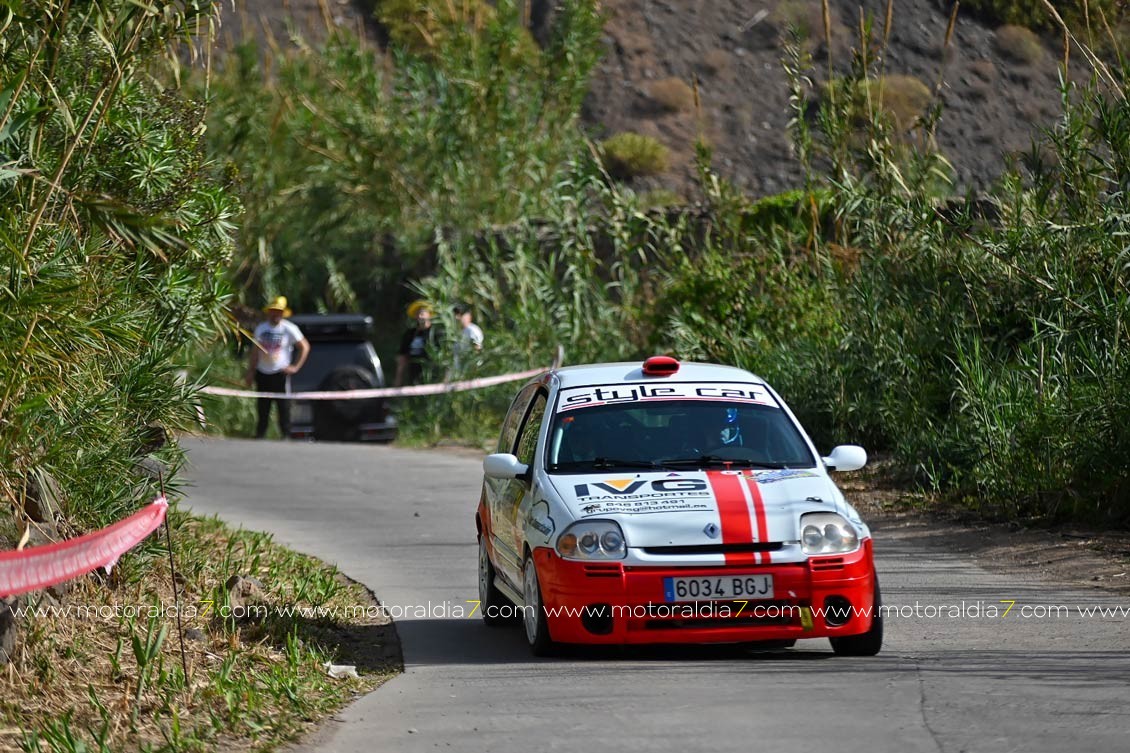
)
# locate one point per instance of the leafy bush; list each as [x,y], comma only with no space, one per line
[577,277]
[805,16]
[904,98]
[978,339]
[430,27]
[1020,44]
[348,160]
[115,230]
[630,155]
[1033,14]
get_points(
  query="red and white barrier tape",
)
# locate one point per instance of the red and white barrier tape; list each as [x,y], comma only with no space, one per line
[418,389]
[42,566]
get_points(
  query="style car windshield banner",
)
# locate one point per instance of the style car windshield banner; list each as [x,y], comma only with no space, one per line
[613,394]
[42,566]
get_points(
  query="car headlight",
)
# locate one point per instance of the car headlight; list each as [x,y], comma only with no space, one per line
[827,533]
[592,540]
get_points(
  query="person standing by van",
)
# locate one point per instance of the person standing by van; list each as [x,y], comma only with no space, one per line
[271,363]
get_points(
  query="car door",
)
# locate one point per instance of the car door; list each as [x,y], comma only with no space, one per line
[509,528]
[497,491]
[526,452]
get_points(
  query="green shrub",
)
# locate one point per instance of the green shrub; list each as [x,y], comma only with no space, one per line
[630,155]
[427,25]
[1020,44]
[806,16]
[115,229]
[1033,14]
[661,198]
[347,161]
[904,98]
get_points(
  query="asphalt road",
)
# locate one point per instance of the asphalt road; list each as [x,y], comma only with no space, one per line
[402,522]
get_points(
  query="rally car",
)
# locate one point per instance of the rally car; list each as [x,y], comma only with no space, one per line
[669,502]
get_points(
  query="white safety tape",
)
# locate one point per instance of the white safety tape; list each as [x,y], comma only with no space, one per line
[418,389]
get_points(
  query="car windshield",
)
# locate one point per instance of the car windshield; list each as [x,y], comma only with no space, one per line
[674,434]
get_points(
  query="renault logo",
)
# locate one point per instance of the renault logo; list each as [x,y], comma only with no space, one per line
[711,530]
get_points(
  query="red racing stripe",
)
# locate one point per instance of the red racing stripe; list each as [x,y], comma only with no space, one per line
[759,514]
[734,513]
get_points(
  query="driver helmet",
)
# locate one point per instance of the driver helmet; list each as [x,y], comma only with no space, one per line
[730,434]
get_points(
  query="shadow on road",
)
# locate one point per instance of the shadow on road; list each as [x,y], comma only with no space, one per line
[467,641]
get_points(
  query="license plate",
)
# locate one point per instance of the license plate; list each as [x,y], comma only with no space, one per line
[718,587]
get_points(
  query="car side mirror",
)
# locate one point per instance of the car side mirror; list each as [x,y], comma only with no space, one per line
[846,457]
[505,466]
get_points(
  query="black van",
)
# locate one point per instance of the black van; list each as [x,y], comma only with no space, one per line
[341,358]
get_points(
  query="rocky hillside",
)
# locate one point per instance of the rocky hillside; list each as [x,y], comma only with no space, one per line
[998,84]
[994,92]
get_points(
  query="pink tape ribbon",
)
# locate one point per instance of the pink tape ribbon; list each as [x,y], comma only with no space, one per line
[42,566]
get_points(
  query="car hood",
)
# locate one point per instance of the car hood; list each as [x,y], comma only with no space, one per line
[699,508]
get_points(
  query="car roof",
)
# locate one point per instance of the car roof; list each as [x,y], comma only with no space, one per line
[632,371]
[348,327]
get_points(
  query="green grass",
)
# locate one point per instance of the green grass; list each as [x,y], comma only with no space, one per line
[113,682]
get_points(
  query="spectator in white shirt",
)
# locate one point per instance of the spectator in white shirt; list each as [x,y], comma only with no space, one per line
[470,335]
[271,363]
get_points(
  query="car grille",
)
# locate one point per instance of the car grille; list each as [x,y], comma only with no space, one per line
[824,564]
[775,546]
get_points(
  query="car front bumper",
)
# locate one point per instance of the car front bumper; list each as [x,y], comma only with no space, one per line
[609,602]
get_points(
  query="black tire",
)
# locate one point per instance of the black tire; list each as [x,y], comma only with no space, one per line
[338,419]
[533,614]
[864,644]
[495,607]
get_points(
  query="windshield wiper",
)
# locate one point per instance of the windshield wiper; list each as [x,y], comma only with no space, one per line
[602,464]
[704,460]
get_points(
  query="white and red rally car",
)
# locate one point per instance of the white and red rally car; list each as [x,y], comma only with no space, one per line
[670,502]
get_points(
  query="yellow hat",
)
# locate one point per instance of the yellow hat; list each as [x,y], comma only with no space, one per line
[279,304]
[415,307]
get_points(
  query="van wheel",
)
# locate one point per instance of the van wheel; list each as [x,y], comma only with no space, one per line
[337,419]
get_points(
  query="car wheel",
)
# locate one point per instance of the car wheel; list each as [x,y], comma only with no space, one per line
[533,613]
[496,608]
[864,644]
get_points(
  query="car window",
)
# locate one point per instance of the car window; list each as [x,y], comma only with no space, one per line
[528,441]
[680,433]
[514,418]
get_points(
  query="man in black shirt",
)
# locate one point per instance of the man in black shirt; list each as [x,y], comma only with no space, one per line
[414,345]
